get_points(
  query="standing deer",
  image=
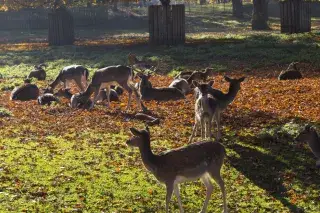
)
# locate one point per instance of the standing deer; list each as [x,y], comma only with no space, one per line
[205,109]
[102,78]
[310,135]
[79,74]
[222,99]
[201,160]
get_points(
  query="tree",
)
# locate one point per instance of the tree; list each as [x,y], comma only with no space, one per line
[260,15]
[237,8]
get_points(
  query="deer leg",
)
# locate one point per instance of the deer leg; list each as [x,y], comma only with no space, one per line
[218,126]
[209,128]
[202,124]
[108,94]
[215,174]
[66,83]
[95,97]
[129,90]
[169,195]
[207,182]
[79,83]
[177,193]
[84,80]
[193,130]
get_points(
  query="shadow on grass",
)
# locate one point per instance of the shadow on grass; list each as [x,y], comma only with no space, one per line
[282,165]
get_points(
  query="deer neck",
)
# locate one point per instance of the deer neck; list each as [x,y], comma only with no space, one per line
[231,95]
[55,82]
[88,91]
[314,143]
[148,158]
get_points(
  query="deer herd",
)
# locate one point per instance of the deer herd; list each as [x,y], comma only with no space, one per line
[200,160]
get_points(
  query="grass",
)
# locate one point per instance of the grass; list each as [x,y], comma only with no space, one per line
[56,159]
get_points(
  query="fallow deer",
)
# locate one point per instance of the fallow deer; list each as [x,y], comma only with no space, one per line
[148,92]
[291,73]
[102,78]
[205,109]
[201,160]
[222,99]
[38,72]
[79,74]
[25,92]
[137,64]
[47,99]
[182,85]
[310,135]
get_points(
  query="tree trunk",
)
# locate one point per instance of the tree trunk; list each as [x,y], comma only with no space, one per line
[260,15]
[203,2]
[237,8]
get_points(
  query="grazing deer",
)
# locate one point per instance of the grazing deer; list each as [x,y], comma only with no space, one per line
[223,100]
[135,63]
[47,99]
[201,160]
[102,78]
[39,73]
[205,109]
[290,73]
[182,85]
[25,92]
[79,74]
[159,94]
[310,135]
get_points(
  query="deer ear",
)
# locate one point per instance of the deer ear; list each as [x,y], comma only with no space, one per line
[195,83]
[211,83]
[135,131]
[241,79]
[227,78]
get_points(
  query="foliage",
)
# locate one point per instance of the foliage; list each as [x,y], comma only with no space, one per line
[4,112]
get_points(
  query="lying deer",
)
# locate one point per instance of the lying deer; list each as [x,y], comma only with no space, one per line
[47,99]
[201,160]
[310,135]
[102,78]
[159,94]
[291,73]
[112,93]
[25,92]
[182,85]
[200,76]
[223,100]
[205,109]
[38,72]
[79,74]
[135,63]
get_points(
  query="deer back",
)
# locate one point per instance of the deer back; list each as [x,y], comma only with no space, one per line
[25,92]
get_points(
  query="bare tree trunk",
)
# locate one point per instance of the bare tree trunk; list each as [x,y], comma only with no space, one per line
[260,15]
[237,8]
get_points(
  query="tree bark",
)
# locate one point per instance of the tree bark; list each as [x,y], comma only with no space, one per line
[237,8]
[260,15]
